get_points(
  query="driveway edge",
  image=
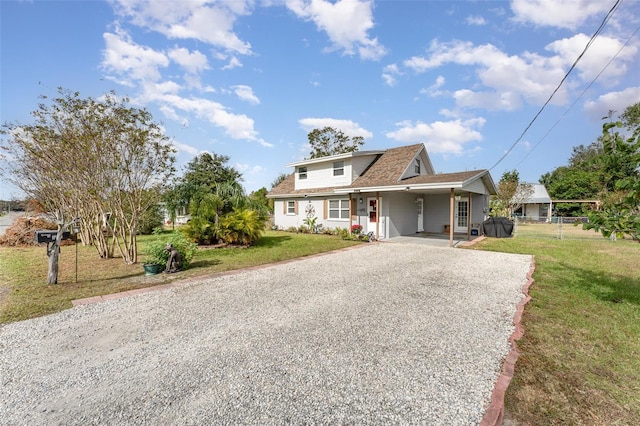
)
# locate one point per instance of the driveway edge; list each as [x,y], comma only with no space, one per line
[185,281]
[494,415]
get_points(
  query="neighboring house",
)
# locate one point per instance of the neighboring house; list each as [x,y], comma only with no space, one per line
[538,206]
[388,192]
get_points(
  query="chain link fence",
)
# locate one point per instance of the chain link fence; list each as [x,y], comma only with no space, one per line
[556,227]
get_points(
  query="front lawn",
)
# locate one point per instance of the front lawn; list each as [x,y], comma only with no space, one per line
[24,293]
[580,361]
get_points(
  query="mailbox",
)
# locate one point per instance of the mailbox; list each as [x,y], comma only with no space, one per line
[48,236]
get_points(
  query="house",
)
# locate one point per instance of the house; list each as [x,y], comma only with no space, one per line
[538,206]
[389,192]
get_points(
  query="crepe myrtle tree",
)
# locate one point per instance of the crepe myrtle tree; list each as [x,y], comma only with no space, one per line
[511,194]
[86,159]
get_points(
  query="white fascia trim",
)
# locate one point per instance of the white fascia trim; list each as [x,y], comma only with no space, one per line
[331,158]
[413,187]
[310,195]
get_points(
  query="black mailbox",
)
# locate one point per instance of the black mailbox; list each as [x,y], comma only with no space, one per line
[50,236]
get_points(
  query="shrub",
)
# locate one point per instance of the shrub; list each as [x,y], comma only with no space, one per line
[151,218]
[155,253]
[356,229]
[242,226]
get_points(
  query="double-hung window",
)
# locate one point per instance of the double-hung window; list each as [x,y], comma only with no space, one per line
[338,168]
[291,207]
[417,166]
[338,209]
[302,172]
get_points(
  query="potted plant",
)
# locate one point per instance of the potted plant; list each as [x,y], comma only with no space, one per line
[157,255]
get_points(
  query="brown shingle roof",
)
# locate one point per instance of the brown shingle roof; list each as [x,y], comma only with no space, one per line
[388,169]
[384,171]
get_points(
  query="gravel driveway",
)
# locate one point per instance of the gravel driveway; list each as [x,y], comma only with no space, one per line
[383,333]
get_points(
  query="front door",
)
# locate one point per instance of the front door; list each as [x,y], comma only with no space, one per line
[461,215]
[372,210]
[420,205]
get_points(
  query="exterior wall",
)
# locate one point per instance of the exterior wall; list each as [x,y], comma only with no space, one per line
[359,165]
[436,212]
[321,175]
[403,213]
[316,206]
[397,213]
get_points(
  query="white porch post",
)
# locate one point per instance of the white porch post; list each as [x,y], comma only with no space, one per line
[451,208]
[469,217]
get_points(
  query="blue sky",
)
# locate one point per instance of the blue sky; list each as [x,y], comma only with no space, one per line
[250,79]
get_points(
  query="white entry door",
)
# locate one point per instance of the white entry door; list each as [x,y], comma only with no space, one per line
[461,215]
[420,206]
[372,211]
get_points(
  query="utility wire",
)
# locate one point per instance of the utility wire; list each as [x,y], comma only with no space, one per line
[589,43]
[579,97]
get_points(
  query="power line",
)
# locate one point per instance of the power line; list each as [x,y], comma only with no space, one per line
[593,37]
[581,95]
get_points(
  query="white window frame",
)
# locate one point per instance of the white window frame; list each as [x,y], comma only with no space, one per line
[291,208]
[417,166]
[343,206]
[338,168]
[302,172]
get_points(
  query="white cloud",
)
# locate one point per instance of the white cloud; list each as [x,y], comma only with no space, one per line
[246,168]
[246,94]
[236,126]
[194,62]
[135,62]
[599,54]
[389,74]
[563,14]
[434,90]
[346,22]
[234,62]
[612,101]
[475,20]
[348,127]
[445,137]
[201,20]
[187,149]
[510,79]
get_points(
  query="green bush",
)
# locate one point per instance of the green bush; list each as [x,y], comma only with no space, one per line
[152,218]
[242,226]
[155,253]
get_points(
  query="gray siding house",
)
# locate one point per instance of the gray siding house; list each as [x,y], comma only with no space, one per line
[389,192]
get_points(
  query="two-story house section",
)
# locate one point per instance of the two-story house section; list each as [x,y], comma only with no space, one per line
[389,192]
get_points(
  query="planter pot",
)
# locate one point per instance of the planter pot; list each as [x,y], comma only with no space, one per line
[152,269]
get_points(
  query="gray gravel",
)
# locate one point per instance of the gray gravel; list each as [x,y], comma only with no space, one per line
[386,333]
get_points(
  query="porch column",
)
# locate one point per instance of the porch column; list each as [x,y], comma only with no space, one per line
[378,215]
[451,208]
[469,210]
[350,212]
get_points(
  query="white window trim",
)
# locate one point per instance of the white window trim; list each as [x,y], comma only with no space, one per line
[293,213]
[302,175]
[341,203]
[417,166]
[337,168]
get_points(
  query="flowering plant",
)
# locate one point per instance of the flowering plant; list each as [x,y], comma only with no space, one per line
[356,229]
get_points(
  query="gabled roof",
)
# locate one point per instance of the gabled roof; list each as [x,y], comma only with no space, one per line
[539,196]
[385,173]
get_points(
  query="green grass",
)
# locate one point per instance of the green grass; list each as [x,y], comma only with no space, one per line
[580,360]
[24,293]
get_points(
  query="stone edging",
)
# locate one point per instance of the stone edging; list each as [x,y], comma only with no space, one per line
[494,415]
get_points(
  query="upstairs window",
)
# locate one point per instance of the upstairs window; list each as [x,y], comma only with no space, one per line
[302,172]
[417,166]
[338,168]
